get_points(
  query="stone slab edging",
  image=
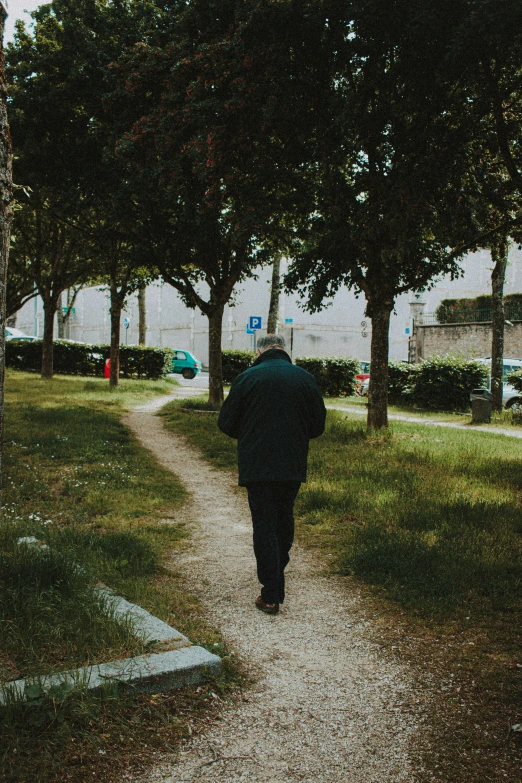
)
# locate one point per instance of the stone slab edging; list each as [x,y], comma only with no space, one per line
[154,672]
[151,629]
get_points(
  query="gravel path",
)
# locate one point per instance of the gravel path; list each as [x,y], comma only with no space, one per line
[327,705]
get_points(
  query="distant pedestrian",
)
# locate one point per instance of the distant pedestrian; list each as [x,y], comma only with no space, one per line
[273,409]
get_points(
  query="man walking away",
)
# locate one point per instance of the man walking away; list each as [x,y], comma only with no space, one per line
[273,409]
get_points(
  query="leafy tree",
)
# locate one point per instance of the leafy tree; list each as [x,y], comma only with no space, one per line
[484,64]
[388,171]
[199,118]
[20,286]
[5,218]
[55,257]
[65,135]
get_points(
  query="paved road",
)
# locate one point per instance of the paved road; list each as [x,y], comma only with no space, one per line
[194,387]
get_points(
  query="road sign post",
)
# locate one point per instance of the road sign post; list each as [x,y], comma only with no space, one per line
[289,322]
[255,322]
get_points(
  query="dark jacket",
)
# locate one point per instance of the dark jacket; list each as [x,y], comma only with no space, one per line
[273,410]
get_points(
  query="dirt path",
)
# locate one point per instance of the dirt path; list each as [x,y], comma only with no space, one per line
[328,705]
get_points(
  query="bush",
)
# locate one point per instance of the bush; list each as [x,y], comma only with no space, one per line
[335,377]
[401,379]
[515,380]
[451,311]
[136,361]
[236,362]
[445,382]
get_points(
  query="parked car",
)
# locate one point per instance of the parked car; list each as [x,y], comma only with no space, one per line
[365,385]
[183,362]
[15,334]
[510,396]
[362,380]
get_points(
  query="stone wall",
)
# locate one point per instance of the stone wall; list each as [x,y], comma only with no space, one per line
[470,341]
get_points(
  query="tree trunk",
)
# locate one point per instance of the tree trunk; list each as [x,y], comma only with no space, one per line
[116,308]
[499,255]
[6,182]
[49,307]
[378,388]
[61,319]
[273,310]
[215,380]
[142,315]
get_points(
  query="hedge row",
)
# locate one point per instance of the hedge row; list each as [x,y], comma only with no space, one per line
[235,362]
[335,377]
[80,359]
[440,383]
[478,308]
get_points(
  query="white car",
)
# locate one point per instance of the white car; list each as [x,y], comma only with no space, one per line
[15,334]
[510,396]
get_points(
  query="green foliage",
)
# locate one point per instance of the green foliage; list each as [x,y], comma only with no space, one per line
[401,379]
[77,481]
[335,377]
[435,520]
[515,380]
[236,362]
[445,382]
[203,432]
[456,311]
[50,608]
[79,359]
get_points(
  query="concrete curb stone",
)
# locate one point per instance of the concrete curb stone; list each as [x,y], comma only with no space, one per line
[179,665]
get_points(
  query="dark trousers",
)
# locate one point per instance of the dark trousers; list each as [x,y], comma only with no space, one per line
[272,508]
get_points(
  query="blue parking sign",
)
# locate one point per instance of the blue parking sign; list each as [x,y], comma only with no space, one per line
[255,322]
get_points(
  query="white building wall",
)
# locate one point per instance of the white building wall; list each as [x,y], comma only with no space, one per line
[339,330]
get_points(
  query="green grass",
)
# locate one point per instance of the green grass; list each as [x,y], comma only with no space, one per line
[77,480]
[433,515]
[424,524]
[202,431]
[505,418]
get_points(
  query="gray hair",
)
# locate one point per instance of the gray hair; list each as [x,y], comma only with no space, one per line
[271,340]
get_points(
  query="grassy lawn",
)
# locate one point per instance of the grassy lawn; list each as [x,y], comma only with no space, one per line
[502,419]
[428,523]
[77,480]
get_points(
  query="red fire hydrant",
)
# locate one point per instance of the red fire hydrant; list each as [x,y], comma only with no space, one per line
[107,370]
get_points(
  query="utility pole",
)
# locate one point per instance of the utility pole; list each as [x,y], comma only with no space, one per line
[6,215]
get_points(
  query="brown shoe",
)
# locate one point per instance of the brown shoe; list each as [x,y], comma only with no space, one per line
[266,608]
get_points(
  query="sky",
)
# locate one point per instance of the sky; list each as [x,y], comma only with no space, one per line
[16,9]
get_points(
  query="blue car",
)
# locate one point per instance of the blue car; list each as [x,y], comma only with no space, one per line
[184,363]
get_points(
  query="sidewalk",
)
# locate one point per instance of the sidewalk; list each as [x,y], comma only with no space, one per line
[509,433]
